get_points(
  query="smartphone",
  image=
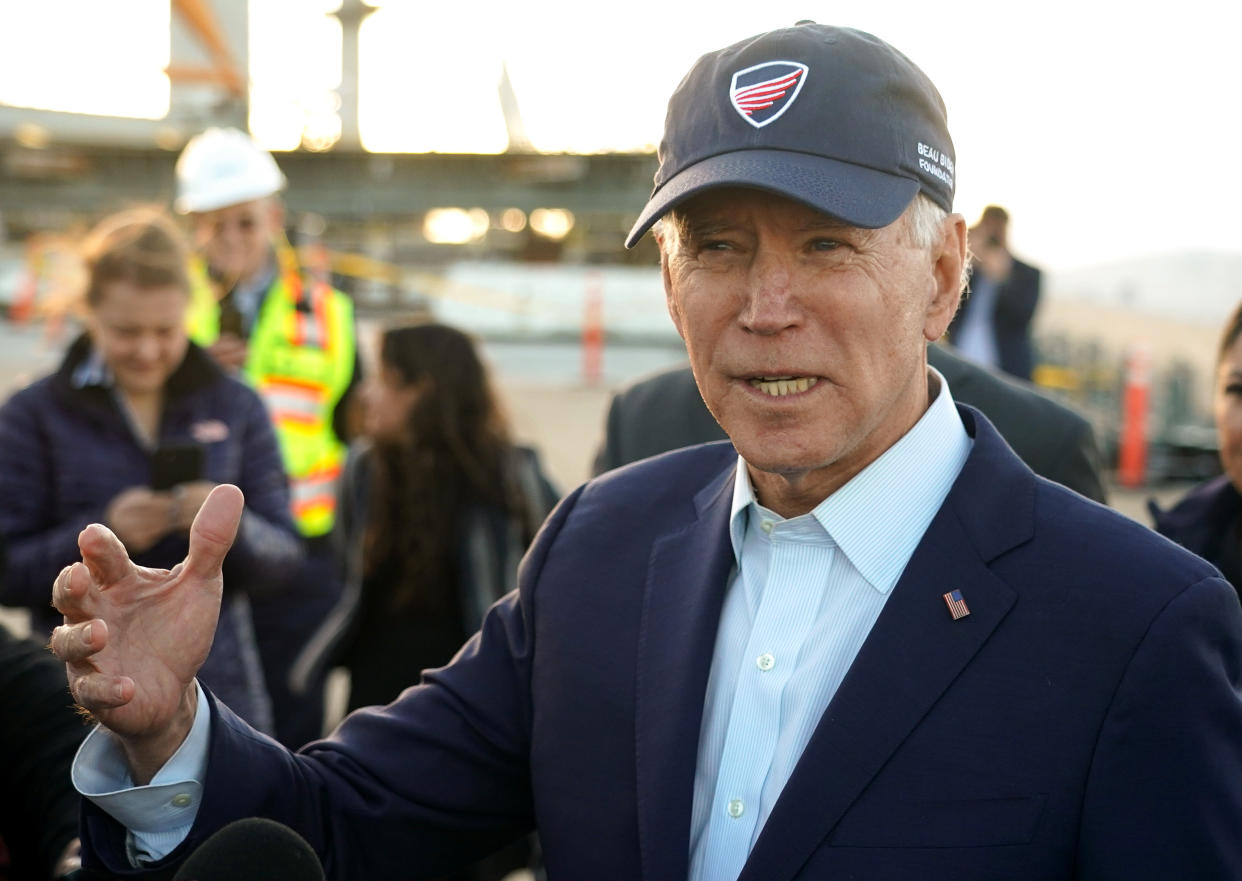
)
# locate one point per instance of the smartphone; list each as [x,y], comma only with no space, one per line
[172,464]
[231,320]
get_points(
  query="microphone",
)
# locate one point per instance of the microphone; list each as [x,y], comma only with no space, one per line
[253,849]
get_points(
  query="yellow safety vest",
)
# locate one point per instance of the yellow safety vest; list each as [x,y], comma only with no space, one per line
[300,360]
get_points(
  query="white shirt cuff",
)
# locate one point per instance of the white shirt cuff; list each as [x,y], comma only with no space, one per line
[159,815]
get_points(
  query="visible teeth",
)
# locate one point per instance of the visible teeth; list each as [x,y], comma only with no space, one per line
[785,385]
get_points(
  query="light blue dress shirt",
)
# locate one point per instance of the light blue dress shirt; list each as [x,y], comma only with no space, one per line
[802,600]
[160,814]
[803,597]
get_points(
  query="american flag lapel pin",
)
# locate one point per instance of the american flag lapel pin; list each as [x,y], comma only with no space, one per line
[957,605]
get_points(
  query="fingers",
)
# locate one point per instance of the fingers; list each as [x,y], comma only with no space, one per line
[213,530]
[101,691]
[71,590]
[103,554]
[74,643]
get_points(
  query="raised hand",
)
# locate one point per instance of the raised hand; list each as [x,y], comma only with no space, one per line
[134,638]
[140,517]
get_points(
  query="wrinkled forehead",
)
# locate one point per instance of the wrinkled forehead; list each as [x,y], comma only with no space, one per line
[725,207]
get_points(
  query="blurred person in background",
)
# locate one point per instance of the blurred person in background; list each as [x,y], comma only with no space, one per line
[993,325]
[79,446]
[1208,519]
[436,508]
[39,734]
[290,335]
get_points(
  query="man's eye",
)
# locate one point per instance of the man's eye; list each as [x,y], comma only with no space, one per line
[714,245]
[1234,389]
[825,245]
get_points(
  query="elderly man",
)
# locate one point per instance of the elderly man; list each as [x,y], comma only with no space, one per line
[874,646]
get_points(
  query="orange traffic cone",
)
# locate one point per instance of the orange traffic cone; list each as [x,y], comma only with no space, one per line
[593,331]
[1132,457]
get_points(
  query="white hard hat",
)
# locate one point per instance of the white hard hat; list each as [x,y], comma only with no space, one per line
[221,167]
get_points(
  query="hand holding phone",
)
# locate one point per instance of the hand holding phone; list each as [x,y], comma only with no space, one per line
[174,464]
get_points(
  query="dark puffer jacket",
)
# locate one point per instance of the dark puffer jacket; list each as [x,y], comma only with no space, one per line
[1208,522]
[67,449]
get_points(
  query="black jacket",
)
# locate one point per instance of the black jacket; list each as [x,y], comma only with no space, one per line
[1206,522]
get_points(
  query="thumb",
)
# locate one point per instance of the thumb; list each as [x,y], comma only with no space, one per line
[213,531]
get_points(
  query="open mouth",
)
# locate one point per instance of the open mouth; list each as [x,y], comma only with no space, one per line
[779,386]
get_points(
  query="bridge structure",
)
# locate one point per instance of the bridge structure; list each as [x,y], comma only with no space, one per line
[61,171]
[376,203]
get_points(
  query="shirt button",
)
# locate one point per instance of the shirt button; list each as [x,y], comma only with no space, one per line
[765,662]
[181,800]
[736,808]
[767,526]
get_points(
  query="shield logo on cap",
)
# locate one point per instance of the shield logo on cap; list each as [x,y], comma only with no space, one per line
[760,94]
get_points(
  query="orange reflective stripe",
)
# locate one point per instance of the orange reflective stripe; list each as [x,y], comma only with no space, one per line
[315,481]
[295,382]
[316,488]
[295,400]
[324,503]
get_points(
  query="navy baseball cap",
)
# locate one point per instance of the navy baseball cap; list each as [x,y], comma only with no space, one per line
[830,117]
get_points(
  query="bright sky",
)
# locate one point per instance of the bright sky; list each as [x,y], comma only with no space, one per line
[1109,129]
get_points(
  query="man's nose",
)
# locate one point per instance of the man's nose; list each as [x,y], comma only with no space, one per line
[771,303]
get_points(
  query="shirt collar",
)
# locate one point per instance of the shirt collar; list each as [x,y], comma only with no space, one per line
[92,372]
[880,515]
[248,293]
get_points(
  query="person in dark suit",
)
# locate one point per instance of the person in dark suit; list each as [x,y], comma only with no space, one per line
[993,326]
[862,640]
[665,411]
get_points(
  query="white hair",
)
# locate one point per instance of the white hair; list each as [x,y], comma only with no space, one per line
[924,221]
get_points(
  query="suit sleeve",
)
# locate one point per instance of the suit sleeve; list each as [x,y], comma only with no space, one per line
[412,790]
[1078,463]
[1164,794]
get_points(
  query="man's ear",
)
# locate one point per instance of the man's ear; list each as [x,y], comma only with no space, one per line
[674,308]
[948,258]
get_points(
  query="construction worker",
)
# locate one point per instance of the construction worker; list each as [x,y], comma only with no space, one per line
[290,335]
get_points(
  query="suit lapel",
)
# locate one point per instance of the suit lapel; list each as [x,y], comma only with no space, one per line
[686,580]
[912,655]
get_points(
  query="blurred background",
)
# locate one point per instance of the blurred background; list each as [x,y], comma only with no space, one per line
[484,161]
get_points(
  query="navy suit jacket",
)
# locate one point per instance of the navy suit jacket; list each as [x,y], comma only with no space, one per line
[1083,722]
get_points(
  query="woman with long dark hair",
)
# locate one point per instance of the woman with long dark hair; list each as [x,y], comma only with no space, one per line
[1208,519]
[436,507]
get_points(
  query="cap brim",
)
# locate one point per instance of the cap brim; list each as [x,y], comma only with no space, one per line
[858,195]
